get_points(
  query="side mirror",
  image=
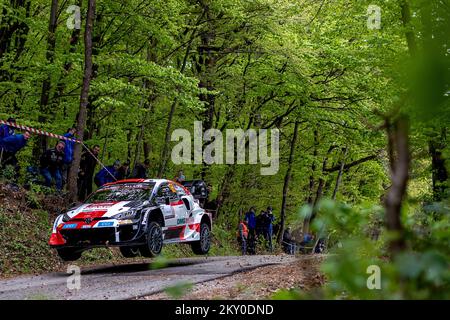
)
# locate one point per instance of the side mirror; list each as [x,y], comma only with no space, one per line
[74,204]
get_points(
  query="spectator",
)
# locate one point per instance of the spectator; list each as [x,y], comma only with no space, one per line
[86,173]
[269,219]
[260,221]
[9,146]
[52,162]
[124,171]
[107,174]
[242,236]
[288,242]
[68,153]
[180,178]
[250,219]
[307,241]
[5,130]
[141,170]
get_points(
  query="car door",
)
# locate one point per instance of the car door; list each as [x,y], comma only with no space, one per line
[162,194]
[187,200]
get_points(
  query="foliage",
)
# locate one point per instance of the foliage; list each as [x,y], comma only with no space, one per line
[161,65]
[421,272]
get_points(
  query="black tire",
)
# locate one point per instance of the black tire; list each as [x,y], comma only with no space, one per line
[154,240]
[129,252]
[69,254]
[204,244]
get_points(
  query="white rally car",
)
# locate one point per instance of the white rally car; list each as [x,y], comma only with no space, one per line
[137,215]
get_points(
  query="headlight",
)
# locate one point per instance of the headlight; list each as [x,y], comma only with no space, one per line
[130,214]
[65,217]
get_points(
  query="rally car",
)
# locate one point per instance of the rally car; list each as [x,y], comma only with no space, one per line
[137,215]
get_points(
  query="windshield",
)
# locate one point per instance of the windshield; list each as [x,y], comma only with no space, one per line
[122,192]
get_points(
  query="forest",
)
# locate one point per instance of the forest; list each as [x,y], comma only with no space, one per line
[358,92]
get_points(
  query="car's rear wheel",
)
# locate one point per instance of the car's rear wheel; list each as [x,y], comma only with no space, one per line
[129,252]
[154,240]
[204,244]
[69,254]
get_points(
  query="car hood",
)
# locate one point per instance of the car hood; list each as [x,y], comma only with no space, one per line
[102,210]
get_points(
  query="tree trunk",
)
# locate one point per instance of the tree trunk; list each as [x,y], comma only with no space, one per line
[60,87]
[406,19]
[313,168]
[312,181]
[323,177]
[12,27]
[129,135]
[397,142]
[82,115]
[319,192]
[147,149]
[339,176]
[287,179]
[439,170]
[165,151]
[45,111]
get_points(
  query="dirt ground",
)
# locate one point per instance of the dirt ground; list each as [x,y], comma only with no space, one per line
[259,283]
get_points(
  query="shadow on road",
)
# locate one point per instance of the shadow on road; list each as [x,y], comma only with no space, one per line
[134,267]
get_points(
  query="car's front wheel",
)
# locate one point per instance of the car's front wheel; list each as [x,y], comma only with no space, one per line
[204,244]
[154,241]
[129,252]
[69,254]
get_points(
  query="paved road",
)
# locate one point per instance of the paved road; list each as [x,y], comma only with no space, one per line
[128,281]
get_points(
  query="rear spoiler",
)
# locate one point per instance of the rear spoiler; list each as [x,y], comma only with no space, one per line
[198,188]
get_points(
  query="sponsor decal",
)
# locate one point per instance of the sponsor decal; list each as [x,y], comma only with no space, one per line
[172,188]
[90,215]
[181,221]
[99,206]
[70,226]
[86,226]
[177,203]
[190,220]
[106,224]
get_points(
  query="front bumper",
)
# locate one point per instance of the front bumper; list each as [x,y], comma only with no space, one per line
[81,235]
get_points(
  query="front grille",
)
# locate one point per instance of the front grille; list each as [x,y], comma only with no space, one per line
[88,236]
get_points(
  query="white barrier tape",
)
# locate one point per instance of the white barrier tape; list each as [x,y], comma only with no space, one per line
[57,136]
[37,131]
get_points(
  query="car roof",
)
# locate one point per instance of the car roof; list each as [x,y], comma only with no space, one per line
[157,182]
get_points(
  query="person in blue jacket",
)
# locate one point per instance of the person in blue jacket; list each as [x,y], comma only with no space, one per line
[9,146]
[68,153]
[103,176]
[5,130]
[250,219]
[270,218]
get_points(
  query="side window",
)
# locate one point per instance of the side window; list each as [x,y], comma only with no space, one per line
[162,193]
[173,193]
[180,191]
